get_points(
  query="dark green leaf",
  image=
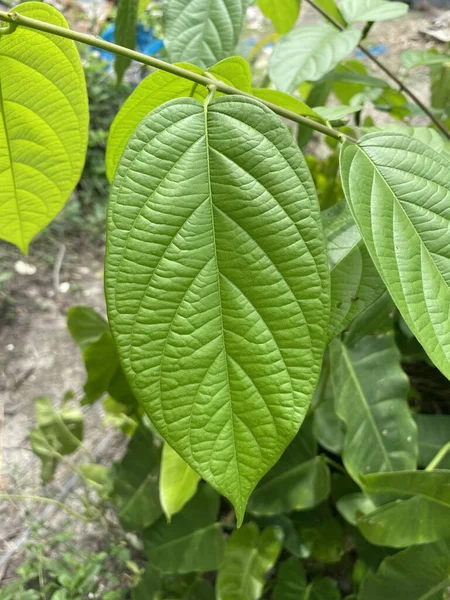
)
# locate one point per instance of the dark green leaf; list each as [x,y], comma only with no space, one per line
[291,581]
[434,432]
[85,325]
[125,35]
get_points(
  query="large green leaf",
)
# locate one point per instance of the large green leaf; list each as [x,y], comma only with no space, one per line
[355,283]
[417,573]
[220,321]
[308,53]
[371,399]
[428,136]
[372,10]
[177,482]
[283,15]
[202,31]
[160,87]
[420,514]
[193,541]
[136,482]
[125,33]
[434,433]
[300,479]
[43,125]
[398,190]
[249,555]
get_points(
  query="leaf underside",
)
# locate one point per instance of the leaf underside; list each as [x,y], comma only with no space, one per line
[220,322]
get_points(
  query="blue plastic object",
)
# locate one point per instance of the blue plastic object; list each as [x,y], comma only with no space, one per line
[376,50]
[146,42]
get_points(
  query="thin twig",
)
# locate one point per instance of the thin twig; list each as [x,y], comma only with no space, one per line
[439,457]
[402,86]
[18,20]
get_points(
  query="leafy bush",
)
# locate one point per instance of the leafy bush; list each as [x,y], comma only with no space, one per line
[258,328]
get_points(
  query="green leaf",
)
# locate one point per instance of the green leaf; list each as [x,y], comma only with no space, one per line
[160,87]
[286,101]
[335,113]
[291,581]
[136,482]
[371,399]
[377,319]
[249,555]
[354,506]
[283,15]
[421,513]
[405,229]
[85,325]
[193,541]
[434,432]
[149,586]
[300,480]
[417,573]
[418,58]
[125,34]
[317,96]
[219,321]
[308,53]
[99,477]
[330,7]
[321,535]
[425,134]
[328,429]
[177,482]
[43,125]
[372,10]
[58,433]
[323,589]
[202,31]
[355,283]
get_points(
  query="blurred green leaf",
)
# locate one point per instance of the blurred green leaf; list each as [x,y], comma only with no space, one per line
[85,325]
[372,10]
[192,542]
[249,555]
[419,58]
[321,535]
[331,8]
[282,14]
[125,33]
[177,482]
[291,581]
[371,399]
[434,433]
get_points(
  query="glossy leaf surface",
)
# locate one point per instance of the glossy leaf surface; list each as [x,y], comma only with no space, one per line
[308,53]
[202,31]
[43,125]
[398,190]
[220,321]
[371,399]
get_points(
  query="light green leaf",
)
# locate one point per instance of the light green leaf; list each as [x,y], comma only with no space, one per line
[372,10]
[99,477]
[85,325]
[354,506]
[283,15]
[308,53]
[136,482]
[300,480]
[249,555]
[428,136]
[335,113]
[177,482]
[331,8]
[202,31]
[421,513]
[125,33]
[418,58]
[220,321]
[355,283]
[193,541]
[286,101]
[399,194]
[434,433]
[160,87]
[291,581]
[377,319]
[417,573]
[43,125]
[371,399]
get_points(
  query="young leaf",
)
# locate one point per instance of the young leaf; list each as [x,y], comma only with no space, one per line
[43,125]
[371,399]
[434,433]
[399,191]
[160,87]
[192,542]
[177,482]
[249,554]
[202,31]
[136,482]
[372,10]
[220,321]
[421,516]
[308,53]
[125,35]
[417,573]
[300,480]
[283,15]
